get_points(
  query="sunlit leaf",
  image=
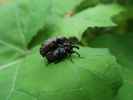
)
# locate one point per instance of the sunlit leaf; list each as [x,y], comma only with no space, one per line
[99,16]
[89,77]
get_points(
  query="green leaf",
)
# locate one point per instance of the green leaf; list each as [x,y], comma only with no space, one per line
[126,91]
[121,46]
[99,16]
[20,21]
[88,78]
[62,7]
[9,53]
[57,10]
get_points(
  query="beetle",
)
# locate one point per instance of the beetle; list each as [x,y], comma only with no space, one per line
[55,50]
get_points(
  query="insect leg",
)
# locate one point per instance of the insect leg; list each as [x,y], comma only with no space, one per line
[70,56]
[76,53]
[75,47]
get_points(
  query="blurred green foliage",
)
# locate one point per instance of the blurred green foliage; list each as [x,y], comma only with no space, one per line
[98,24]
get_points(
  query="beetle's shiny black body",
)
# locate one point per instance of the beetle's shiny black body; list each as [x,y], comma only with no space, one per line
[58,49]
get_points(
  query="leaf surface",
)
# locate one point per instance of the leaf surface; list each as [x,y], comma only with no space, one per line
[89,77]
[20,21]
[121,46]
[99,16]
